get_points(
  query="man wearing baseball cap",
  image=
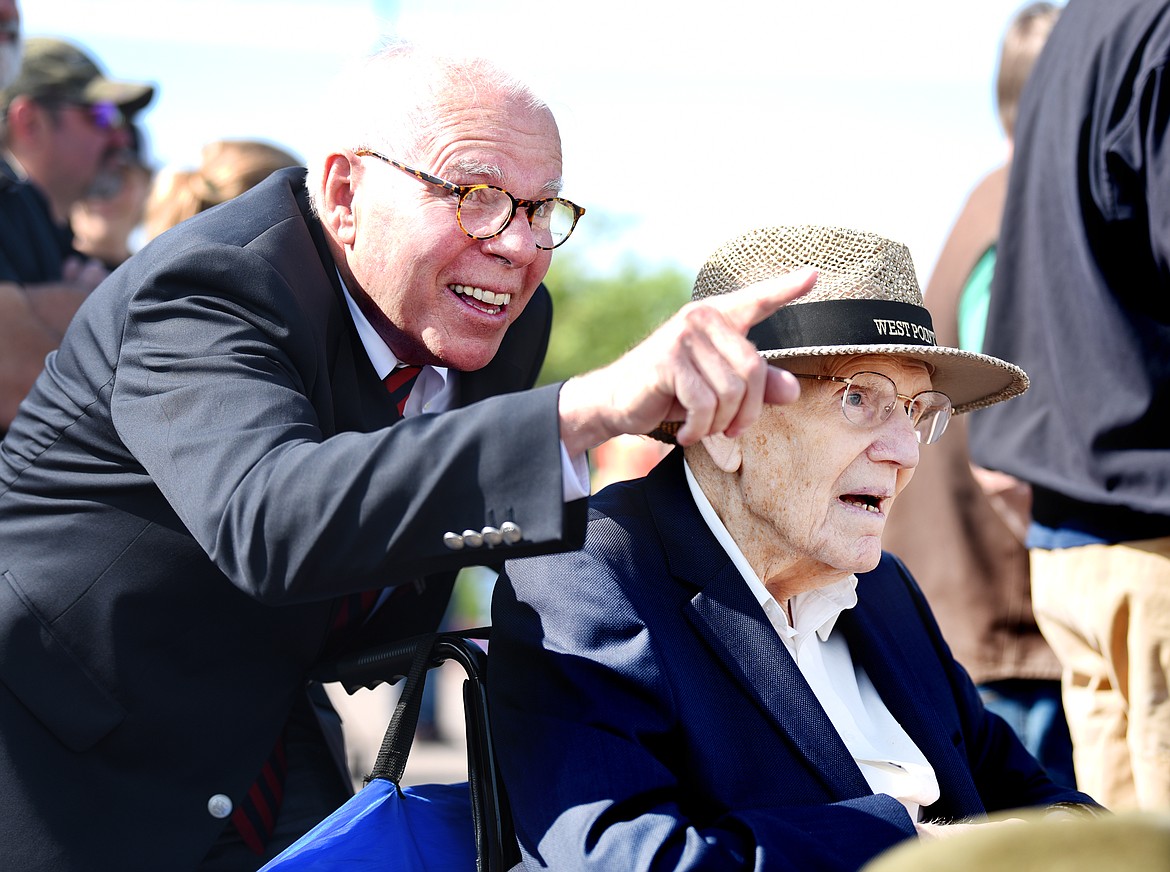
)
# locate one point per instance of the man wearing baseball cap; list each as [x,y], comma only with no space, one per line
[62,125]
[10,47]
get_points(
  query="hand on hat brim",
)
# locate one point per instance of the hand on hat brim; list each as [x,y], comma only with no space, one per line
[698,368]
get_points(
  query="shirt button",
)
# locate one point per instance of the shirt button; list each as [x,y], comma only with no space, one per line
[220,806]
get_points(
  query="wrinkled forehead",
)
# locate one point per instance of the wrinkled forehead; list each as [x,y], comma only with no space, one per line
[915,373]
[478,113]
[479,134]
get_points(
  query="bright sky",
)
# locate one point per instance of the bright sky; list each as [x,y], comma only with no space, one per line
[683,124]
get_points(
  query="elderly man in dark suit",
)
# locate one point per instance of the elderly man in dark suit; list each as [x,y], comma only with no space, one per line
[731,674]
[208,490]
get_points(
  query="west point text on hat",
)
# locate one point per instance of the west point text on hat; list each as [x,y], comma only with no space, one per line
[886,327]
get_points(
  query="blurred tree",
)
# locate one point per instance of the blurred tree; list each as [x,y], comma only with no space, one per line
[599,317]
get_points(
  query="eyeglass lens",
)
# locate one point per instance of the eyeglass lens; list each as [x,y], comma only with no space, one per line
[485,211]
[870,398]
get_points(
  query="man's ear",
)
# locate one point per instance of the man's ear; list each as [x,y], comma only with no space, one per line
[23,117]
[723,451]
[337,198]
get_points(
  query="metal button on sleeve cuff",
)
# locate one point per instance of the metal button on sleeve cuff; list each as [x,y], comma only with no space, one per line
[508,533]
[219,806]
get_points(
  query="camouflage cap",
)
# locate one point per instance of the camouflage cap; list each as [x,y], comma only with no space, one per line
[55,70]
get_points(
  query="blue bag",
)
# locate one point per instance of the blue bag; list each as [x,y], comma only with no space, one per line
[422,828]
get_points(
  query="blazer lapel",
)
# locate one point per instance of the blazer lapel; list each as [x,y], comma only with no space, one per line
[357,398]
[885,634]
[360,401]
[730,621]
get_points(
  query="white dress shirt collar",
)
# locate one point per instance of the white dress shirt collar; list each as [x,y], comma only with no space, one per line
[431,392]
[814,611]
[884,752]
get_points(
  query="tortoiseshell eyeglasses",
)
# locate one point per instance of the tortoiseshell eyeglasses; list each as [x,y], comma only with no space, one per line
[485,211]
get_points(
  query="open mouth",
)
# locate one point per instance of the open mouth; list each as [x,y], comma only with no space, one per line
[868,502]
[487,302]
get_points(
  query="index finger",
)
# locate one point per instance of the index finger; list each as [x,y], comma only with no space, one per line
[748,306]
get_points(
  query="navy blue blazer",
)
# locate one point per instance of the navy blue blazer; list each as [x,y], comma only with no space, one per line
[648,717]
[205,466]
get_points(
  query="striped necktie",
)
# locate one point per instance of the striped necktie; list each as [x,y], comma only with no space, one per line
[399,383]
[255,817]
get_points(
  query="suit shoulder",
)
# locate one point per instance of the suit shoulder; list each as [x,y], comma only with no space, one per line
[890,571]
[618,537]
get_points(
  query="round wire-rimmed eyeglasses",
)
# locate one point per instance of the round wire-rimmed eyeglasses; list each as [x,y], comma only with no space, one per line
[869,399]
[485,211]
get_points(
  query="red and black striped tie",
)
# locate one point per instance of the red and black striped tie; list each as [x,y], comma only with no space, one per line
[255,817]
[399,383]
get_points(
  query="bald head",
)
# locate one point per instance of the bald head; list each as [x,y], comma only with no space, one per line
[397,100]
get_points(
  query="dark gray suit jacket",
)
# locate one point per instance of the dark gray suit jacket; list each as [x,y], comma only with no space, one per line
[204,466]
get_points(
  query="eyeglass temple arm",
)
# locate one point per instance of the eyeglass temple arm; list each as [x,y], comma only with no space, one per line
[418,174]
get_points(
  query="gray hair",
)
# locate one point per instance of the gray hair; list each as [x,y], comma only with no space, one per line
[390,102]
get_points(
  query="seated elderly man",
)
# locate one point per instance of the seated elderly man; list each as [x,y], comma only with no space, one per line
[732,674]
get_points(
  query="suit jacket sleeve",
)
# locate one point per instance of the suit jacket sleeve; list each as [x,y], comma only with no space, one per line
[235,413]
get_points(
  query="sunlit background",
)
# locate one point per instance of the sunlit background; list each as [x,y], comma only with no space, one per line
[683,124]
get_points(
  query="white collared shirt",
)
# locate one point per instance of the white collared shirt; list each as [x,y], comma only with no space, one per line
[431,392]
[435,392]
[885,753]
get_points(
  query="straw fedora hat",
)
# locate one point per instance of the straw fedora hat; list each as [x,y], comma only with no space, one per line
[866,301]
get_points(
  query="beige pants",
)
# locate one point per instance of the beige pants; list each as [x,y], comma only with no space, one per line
[1105,610]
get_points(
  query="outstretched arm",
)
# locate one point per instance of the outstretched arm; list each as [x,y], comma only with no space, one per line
[697,368]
